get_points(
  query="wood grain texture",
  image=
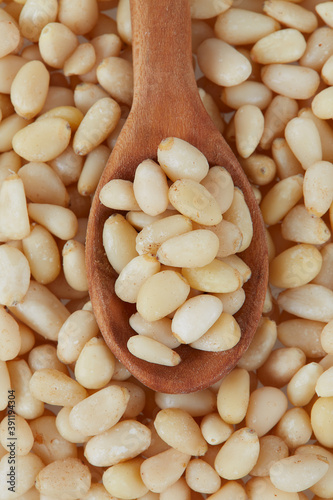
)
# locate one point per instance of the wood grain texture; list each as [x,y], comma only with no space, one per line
[166,103]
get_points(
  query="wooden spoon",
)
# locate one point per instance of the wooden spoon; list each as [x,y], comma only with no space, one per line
[167,103]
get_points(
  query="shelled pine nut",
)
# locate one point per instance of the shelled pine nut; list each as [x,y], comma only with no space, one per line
[283,53]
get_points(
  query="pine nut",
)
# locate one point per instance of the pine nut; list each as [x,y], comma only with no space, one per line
[222,64]
[295,427]
[326,338]
[279,112]
[194,201]
[242,27]
[202,477]
[26,405]
[29,89]
[81,17]
[123,480]
[92,170]
[123,441]
[292,15]
[197,403]
[303,128]
[324,10]
[74,265]
[159,330]
[56,388]
[78,329]
[14,223]
[249,92]
[239,214]
[295,266]
[200,10]
[309,301]
[266,407]
[324,485]
[14,275]
[161,294]
[95,365]
[151,188]
[180,431]
[298,473]
[300,226]
[194,249]
[115,75]
[272,449]
[223,335]
[219,183]
[296,82]
[36,14]
[56,43]
[280,47]
[24,436]
[70,477]
[45,356]
[53,133]
[164,469]
[102,117]
[181,160]
[319,176]
[214,429]
[29,465]
[155,233]
[249,127]
[152,351]
[245,443]
[194,318]
[52,446]
[306,335]
[233,396]
[41,310]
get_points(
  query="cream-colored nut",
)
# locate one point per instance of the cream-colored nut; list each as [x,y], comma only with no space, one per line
[193,249]
[155,233]
[216,277]
[152,351]
[29,89]
[69,477]
[222,64]
[161,294]
[119,195]
[194,201]
[123,480]
[42,140]
[119,240]
[233,396]
[95,365]
[178,429]
[180,160]
[164,469]
[125,440]
[56,388]
[133,275]
[245,443]
[101,118]
[297,473]
[195,317]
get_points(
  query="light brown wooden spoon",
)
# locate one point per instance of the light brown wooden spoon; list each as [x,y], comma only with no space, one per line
[166,103]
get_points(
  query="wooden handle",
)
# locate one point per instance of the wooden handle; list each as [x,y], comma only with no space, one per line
[162,51]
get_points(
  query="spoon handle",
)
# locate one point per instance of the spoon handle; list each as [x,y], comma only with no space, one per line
[162,54]
[166,99]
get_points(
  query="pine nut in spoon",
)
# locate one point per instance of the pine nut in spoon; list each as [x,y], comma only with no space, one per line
[166,103]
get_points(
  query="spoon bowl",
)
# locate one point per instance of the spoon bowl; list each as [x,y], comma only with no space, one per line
[166,103]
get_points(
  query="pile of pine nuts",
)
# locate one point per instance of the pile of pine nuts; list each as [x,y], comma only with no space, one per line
[175,252]
[74,423]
